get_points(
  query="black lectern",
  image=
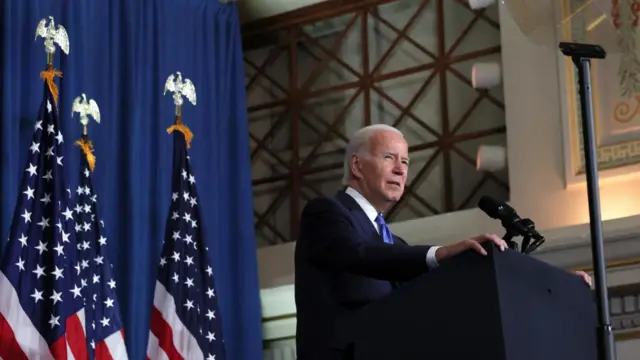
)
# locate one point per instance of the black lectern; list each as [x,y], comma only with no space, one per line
[505,306]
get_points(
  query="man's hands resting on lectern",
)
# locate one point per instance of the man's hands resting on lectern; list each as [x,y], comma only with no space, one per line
[475,243]
[585,277]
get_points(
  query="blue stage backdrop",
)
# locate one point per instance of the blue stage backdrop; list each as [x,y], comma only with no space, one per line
[121,53]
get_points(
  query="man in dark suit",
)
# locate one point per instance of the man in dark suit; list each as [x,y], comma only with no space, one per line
[346,256]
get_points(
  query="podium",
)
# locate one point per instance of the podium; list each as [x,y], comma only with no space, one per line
[503,306]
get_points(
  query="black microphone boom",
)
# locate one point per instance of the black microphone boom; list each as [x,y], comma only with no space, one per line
[513,224]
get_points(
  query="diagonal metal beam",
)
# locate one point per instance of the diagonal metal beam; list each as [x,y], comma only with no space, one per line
[406,110]
[270,152]
[464,33]
[402,35]
[394,44]
[262,217]
[273,229]
[261,72]
[337,122]
[271,58]
[334,47]
[331,55]
[482,14]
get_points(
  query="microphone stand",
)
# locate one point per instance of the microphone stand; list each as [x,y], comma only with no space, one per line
[581,54]
[526,247]
[509,236]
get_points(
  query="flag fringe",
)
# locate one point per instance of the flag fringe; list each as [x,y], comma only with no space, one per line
[49,75]
[87,149]
[184,129]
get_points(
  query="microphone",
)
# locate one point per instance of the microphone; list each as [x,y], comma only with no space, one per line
[513,224]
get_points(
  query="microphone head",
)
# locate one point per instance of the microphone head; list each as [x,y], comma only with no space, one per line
[494,208]
[489,205]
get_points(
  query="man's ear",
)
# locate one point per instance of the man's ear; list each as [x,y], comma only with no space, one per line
[356,167]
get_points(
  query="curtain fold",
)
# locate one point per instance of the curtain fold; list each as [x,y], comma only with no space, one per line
[121,53]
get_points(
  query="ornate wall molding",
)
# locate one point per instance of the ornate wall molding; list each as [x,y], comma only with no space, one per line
[616,96]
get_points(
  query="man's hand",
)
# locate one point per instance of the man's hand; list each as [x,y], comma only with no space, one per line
[584,275]
[474,243]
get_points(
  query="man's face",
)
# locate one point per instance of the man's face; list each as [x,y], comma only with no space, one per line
[384,170]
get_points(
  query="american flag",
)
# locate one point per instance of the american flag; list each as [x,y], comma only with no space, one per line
[105,332]
[184,318]
[41,308]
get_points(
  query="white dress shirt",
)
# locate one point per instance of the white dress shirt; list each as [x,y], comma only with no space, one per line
[371,213]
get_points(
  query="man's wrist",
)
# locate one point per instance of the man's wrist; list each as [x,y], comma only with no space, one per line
[442,253]
[432,263]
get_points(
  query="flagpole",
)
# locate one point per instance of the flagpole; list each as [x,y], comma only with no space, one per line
[178,119]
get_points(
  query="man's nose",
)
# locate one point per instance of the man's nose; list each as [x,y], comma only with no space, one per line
[399,169]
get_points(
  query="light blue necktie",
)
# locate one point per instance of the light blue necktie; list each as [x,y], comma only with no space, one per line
[384,230]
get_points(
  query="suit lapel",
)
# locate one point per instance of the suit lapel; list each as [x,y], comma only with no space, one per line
[359,215]
[363,221]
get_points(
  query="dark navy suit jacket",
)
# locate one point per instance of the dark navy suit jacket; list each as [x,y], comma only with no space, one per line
[342,264]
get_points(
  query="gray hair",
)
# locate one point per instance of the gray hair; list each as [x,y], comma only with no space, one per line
[357,142]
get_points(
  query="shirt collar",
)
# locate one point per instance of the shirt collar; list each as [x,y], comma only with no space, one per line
[366,206]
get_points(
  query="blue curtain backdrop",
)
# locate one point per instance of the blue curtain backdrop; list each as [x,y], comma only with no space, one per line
[121,53]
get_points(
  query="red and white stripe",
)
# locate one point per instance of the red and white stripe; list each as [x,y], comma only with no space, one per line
[30,344]
[169,338]
[112,348]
